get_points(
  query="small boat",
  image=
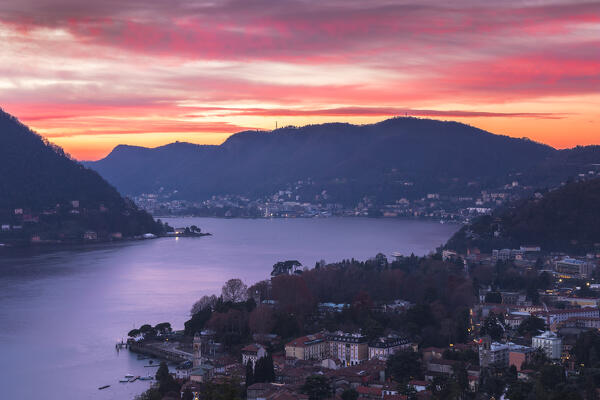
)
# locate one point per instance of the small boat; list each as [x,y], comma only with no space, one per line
[124,380]
[129,376]
[103,387]
[146,378]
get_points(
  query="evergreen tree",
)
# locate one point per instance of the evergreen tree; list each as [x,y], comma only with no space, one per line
[249,373]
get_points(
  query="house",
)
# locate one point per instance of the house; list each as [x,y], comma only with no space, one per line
[184,370]
[90,235]
[252,353]
[518,355]
[550,343]
[366,392]
[440,367]
[418,386]
[384,347]
[492,353]
[311,347]
[260,390]
[348,348]
[201,374]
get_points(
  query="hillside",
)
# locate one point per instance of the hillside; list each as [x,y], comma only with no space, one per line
[391,159]
[565,219]
[47,195]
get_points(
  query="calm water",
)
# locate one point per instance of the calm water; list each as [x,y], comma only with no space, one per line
[61,312]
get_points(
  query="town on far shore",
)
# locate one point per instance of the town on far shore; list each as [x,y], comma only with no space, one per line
[470,326]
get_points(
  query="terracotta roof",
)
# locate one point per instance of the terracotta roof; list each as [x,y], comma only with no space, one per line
[252,348]
[307,340]
[260,386]
[369,391]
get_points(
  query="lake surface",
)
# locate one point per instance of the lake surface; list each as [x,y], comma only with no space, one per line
[62,311]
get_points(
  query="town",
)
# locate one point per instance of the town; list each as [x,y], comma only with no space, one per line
[293,202]
[510,323]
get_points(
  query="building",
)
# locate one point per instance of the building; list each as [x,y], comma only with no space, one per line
[555,317]
[570,267]
[348,348]
[518,355]
[203,373]
[252,353]
[197,350]
[507,255]
[550,343]
[311,347]
[384,347]
[492,353]
[90,235]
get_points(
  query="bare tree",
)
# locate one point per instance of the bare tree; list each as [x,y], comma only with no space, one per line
[205,301]
[234,290]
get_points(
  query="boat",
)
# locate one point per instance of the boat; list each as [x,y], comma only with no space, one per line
[103,387]
[129,376]
[146,378]
[134,379]
[124,380]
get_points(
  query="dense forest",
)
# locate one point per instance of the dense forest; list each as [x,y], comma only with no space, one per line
[399,157]
[565,219]
[441,294]
[45,192]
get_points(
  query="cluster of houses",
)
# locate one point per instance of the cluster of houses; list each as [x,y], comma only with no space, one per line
[292,202]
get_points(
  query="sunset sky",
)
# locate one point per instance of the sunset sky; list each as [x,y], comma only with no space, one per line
[89,75]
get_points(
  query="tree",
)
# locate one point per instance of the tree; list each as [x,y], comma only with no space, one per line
[249,373]
[134,333]
[198,320]
[264,370]
[262,290]
[350,394]
[261,319]
[163,328]
[285,267]
[165,380]
[493,327]
[316,387]
[493,297]
[235,291]
[204,302]
[404,366]
[531,326]
[187,395]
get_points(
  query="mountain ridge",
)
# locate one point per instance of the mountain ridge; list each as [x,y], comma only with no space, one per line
[256,162]
[48,195]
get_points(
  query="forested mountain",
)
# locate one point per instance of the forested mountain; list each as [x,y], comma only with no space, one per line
[394,158]
[44,193]
[565,219]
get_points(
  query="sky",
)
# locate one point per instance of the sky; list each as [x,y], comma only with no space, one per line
[89,75]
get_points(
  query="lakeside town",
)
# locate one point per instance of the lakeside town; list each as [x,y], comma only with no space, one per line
[303,199]
[288,203]
[498,325]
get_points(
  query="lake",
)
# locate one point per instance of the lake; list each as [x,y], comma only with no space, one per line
[62,311]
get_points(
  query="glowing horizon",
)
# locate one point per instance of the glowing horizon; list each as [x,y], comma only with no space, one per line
[148,72]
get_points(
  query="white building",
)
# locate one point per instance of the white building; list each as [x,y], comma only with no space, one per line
[252,353]
[384,347]
[550,343]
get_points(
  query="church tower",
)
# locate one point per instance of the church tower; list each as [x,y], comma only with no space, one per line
[197,350]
